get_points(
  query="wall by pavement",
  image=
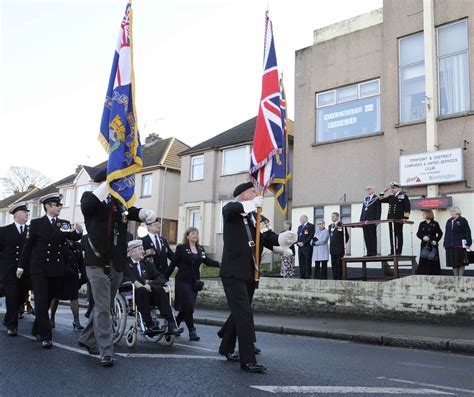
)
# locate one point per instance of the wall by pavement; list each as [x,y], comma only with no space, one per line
[427,298]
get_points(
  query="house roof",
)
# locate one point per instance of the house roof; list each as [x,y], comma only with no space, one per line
[8,201]
[52,188]
[240,134]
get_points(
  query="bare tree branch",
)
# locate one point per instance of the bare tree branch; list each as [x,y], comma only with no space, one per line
[20,179]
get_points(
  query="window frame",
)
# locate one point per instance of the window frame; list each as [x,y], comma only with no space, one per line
[247,160]
[142,185]
[192,211]
[315,209]
[191,175]
[66,197]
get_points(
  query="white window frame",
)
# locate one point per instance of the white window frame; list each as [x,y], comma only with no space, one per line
[143,184]
[359,97]
[87,188]
[247,160]
[326,92]
[192,211]
[66,197]
[191,176]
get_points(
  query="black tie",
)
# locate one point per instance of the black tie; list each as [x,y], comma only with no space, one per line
[158,245]
[21,229]
[53,221]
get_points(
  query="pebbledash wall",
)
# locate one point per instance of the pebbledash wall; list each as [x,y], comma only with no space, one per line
[429,298]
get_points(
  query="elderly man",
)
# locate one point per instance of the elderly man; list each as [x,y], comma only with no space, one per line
[157,249]
[371,209]
[12,239]
[148,289]
[237,271]
[305,250]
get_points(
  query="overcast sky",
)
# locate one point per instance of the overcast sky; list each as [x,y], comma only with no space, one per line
[198,68]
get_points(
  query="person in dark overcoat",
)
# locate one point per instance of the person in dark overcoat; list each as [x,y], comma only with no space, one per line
[429,232]
[371,211]
[457,238]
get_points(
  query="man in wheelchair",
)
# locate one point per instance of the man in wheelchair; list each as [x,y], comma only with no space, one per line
[149,289]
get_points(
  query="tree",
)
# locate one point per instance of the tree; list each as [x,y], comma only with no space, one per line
[20,179]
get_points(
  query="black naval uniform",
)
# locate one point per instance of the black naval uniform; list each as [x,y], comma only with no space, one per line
[44,254]
[371,210]
[305,253]
[157,251]
[398,208]
[11,245]
[337,248]
[237,272]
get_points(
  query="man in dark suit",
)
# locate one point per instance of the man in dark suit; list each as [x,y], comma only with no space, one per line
[398,208]
[371,209]
[12,239]
[148,289]
[157,249]
[43,254]
[105,252]
[305,249]
[237,271]
[336,245]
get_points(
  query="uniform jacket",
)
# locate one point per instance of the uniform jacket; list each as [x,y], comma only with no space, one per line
[432,230]
[320,245]
[110,244]
[456,232]
[305,235]
[237,260]
[398,205]
[11,245]
[336,239]
[75,261]
[159,259]
[148,272]
[371,209]
[188,265]
[44,249]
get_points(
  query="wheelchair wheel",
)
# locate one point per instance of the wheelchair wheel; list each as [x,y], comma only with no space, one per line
[168,339]
[132,337]
[119,318]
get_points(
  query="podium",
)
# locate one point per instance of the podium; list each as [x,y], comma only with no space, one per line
[396,259]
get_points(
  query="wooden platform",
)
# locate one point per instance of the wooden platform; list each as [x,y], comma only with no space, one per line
[396,259]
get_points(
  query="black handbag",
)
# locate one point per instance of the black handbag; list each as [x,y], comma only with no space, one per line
[198,285]
[429,253]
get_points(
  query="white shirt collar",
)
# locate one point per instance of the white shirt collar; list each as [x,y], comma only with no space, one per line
[18,226]
[51,217]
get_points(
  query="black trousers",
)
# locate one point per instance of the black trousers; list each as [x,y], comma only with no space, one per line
[336,266]
[398,237]
[44,289]
[239,325]
[370,238]
[305,254]
[320,270]
[13,299]
[145,300]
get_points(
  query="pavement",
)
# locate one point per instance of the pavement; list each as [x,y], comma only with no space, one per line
[296,365]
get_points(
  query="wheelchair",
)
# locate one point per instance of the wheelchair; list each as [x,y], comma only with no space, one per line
[124,306]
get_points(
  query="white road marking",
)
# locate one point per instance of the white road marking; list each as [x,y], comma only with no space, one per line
[410,364]
[348,390]
[60,345]
[193,347]
[152,355]
[409,382]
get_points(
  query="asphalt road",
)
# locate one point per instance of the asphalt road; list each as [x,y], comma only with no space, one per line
[296,365]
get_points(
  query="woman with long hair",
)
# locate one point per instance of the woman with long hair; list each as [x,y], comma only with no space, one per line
[188,258]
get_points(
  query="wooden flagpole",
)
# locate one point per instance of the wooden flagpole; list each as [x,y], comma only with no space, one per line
[257,243]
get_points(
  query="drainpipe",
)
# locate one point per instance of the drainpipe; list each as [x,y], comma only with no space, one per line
[163,201]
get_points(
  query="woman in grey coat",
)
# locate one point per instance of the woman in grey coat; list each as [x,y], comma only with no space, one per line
[320,251]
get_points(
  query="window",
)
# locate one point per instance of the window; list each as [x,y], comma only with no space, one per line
[348,112]
[412,78]
[221,226]
[235,160]
[169,230]
[36,211]
[66,194]
[318,214]
[146,185]
[3,218]
[80,191]
[453,68]
[195,218]
[346,218]
[197,168]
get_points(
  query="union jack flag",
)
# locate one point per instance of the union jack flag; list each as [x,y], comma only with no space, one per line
[268,137]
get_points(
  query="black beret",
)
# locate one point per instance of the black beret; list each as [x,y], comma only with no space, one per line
[101,176]
[242,188]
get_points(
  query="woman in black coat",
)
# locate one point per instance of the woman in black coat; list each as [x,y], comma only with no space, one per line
[429,232]
[456,238]
[188,258]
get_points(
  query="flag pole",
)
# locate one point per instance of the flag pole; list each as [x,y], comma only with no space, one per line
[257,243]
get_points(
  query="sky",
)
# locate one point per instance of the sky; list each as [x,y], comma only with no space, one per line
[198,69]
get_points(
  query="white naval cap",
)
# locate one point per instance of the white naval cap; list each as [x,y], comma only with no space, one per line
[21,206]
[51,198]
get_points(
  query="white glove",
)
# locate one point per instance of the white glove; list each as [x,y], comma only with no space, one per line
[102,191]
[434,243]
[258,201]
[287,239]
[252,205]
[426,238]
[147,216]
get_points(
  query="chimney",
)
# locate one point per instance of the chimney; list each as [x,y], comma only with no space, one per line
[78,168]
[153,137]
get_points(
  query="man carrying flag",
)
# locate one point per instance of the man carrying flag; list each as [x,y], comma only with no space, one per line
[242,228]
[108,208]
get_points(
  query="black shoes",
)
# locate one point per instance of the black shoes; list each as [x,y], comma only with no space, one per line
[173,329]
[107,361]
[46,344]
[12,332]
[193,335]
[253,367]
[87,314]
[256,350]
[53,323]
[234,357]
[93,351]
[77,327]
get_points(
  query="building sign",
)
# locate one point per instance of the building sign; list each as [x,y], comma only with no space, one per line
[346,120]
[431,203]
[443,166]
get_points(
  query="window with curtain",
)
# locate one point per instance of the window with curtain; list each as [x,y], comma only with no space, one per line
[146,185]
[235,160]
[453,68]
[412,78]
[197,168]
